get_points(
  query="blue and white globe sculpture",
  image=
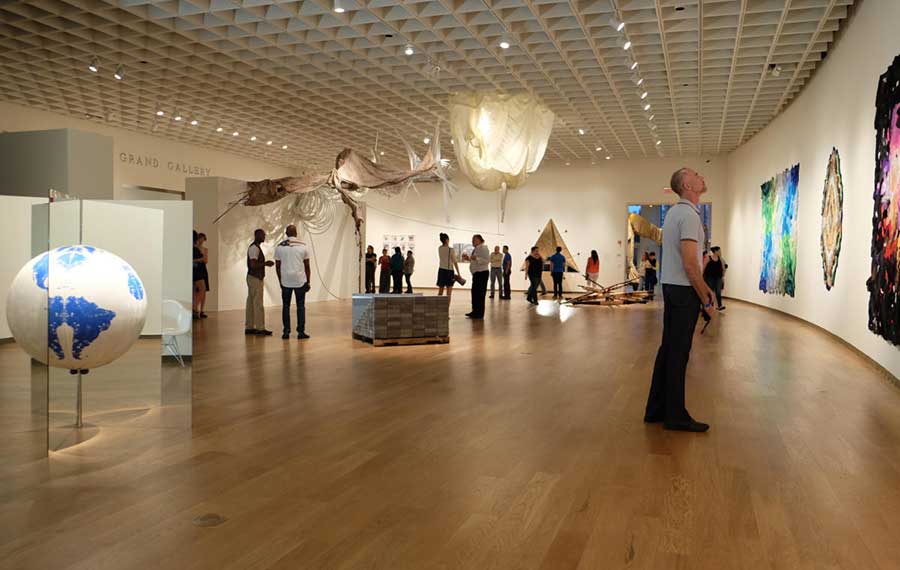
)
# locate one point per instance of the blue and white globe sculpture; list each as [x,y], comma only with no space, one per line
[76,307]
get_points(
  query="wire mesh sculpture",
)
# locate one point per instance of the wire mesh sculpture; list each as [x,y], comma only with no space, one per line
[832,218]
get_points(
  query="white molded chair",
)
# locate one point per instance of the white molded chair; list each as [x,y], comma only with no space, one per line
[176,320]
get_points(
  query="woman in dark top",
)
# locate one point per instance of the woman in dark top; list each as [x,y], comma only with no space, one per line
[200,275]
[534,266]
[714,273]
[371,263]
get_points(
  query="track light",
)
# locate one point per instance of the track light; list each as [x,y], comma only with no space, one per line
[94,66]
[120,73]
[608,157]
[284,147]
[381,153]
[194,121]
[426,140]
[652,127]
[644,95]
[177,116]
[617,25]
[409,49]
[647,107]
[504,44]
[219,129]
[268,143]
[160,112]
[253,138]
[650,118]
[581,132]
[598,149]
[339,7]
[624,43]
[235,133]
[634,65]
[658,143]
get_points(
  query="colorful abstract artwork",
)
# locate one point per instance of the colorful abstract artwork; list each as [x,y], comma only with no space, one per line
[778,264]
[884,310]
[832,218]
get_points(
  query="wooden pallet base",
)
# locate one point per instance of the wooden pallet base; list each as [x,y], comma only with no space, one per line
[403,341]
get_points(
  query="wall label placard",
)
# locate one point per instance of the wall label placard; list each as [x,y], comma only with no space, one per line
[149,161]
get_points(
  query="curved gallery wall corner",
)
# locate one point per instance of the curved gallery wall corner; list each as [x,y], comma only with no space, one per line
[836,110]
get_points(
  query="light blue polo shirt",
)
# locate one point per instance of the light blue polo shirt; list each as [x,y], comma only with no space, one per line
[682,223]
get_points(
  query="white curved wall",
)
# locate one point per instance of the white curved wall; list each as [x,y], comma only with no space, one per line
[836,109]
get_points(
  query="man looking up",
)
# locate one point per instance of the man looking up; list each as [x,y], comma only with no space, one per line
[684,292]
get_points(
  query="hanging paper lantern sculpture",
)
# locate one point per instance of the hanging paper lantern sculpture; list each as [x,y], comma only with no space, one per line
[76,307]
[499,139]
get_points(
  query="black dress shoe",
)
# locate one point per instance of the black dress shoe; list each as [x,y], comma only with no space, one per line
[692,426]
[652,420]
[285,336]
[263,332]
[302,336]
[249,331]
[468,314]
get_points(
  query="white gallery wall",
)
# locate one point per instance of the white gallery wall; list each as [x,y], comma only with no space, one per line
[15,244]
[142,159]
[587,202]
[836,109]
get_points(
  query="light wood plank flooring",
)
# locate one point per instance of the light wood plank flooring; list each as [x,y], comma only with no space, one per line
[519,445]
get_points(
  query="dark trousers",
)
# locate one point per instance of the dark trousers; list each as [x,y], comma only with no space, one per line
[384,282]
[557,283]
[300,293]
[408,282]
[507,291]
[535,281]
[715,283]
[479,290]
[397,277]
[680,313]
[370,278]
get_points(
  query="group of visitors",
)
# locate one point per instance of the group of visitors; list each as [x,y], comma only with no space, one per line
[293,271]
[393,269]
[484,265]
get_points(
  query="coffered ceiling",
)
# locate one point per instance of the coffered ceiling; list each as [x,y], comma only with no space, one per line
[301,74]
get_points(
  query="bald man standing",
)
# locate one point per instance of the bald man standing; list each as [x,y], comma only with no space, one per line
[684,293]
[292,266]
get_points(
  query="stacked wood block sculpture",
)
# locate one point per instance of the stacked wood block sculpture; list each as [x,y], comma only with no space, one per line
[387,320]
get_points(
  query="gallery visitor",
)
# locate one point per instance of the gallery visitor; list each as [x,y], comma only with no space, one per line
[448,267]
[642,271]
[534,267]
[496,270]
[409,266]
[255,313]
[714,274]
[684,294]
[292,267]
[507,274]
[384,278]
[557,270]
[592,272]
[397,271]
[371,264]
[479,265]
[200,275]
[650,279]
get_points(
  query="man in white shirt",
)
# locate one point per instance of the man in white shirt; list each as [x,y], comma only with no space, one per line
[479,265]
[292,267]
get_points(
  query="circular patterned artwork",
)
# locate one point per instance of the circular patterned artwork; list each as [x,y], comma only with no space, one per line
[76,307]
[832,218]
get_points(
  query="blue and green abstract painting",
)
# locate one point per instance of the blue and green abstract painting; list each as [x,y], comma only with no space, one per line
[778,263]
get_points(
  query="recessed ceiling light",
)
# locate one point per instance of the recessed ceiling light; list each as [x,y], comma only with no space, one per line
[120,73]
[381,153]
[504,44]
[268,143]
[235,133]
[617,25]
[94,65]
[647,107]
[409,49]
[284,147]
[253,138]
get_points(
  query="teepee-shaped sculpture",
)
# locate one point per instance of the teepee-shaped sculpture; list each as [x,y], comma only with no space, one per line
[551,239]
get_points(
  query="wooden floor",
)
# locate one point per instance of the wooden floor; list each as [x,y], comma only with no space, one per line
[518,445]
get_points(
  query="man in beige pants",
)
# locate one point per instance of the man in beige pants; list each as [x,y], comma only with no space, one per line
[255,313]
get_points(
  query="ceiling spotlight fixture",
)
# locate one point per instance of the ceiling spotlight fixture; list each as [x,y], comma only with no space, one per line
[219,129]
[177,116]
[194,122]
[658,143]
[339,7]
[160,112]
[608,157]
[235,133]
[644,95]
[268,143]
[284,147]
[381,153]
[504,44]
[775,70]
[581,131]
[426,140]
[617,25]
[120,73]
[253,138]
[626,45]
[568,164]
[633,65]
[409,50]
[647,107]
[650,118]
[94,66]
[652,127]
[598,149]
